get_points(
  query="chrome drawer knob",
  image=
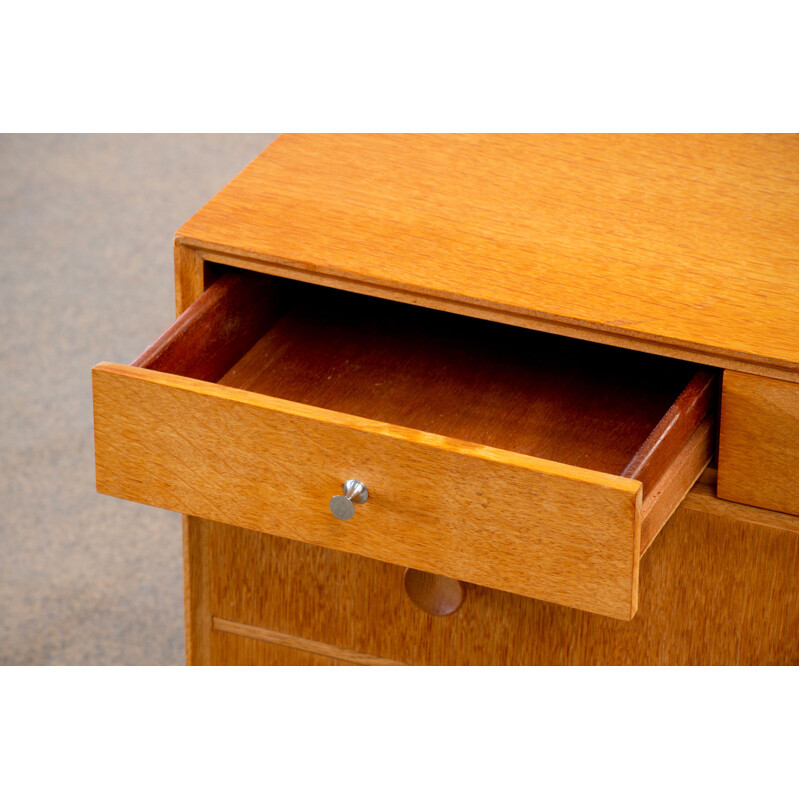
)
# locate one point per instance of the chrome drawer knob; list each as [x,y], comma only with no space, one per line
[342,504]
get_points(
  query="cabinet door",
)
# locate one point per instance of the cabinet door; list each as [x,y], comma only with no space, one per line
[715,590]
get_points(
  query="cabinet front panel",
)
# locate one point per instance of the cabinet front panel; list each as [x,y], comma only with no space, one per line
[713,591]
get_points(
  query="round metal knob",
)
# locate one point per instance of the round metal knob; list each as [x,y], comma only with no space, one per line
[342,504]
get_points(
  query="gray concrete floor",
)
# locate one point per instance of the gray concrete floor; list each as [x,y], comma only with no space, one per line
[86,227]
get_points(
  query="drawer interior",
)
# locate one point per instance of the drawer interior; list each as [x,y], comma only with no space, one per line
[578,403]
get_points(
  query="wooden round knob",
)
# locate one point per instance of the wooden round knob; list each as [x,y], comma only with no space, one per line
[434,594]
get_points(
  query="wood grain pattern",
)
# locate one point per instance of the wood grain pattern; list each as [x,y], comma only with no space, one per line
[230,650]
[434,594]
[218,328]
[192,276]
[654,242]
[714,590]
[462,510]
[328,651]
[758,443]
[673,430]
[630,268]
[676,481]
[703,497]
[574,402]
[196,576]
[504,316]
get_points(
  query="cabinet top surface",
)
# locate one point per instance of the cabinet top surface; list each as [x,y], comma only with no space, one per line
[687,240]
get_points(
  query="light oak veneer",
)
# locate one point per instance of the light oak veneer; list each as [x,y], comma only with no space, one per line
[678,244]
[554,531]
[758,444]
[715,589]
[493,455]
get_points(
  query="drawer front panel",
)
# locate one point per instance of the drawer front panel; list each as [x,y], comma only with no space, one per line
[490,517]
[758,451]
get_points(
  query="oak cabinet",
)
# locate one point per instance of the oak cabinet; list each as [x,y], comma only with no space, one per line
[514,354]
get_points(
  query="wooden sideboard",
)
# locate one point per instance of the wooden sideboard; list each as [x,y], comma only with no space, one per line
[560,370]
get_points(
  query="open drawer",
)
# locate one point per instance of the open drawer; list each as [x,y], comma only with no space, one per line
[518,460]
